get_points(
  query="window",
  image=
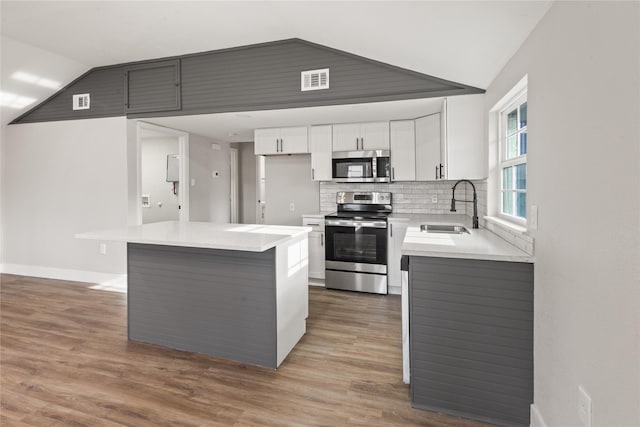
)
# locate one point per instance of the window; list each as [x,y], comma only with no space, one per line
[513,160]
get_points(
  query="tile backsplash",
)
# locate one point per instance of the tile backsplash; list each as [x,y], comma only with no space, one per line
[413,197]
[416,198]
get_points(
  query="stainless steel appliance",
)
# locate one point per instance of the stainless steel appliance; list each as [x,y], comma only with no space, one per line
[361,166]
[356,242]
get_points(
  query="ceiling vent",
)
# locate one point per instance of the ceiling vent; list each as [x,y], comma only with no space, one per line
[314,79]
[81,101]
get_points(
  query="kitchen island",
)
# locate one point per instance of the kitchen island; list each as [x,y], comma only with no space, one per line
[232,291]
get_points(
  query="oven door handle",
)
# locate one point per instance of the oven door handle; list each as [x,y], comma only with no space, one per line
[348,223]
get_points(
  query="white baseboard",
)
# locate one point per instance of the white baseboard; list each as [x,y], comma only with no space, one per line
[536,417]
[395,290]
[102,279]
[316,282]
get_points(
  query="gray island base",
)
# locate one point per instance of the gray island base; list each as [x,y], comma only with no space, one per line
[246,300]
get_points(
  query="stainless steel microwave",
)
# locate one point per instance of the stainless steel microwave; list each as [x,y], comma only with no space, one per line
[361,166]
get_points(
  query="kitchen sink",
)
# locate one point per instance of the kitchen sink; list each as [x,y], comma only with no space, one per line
[444,228]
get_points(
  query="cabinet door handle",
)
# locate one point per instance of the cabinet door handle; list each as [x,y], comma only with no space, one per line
[441,166]
[313,174]
[390,230]
[393,174]
[321,239]
[436,171]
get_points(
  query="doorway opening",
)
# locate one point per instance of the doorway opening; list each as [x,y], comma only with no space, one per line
[162,174]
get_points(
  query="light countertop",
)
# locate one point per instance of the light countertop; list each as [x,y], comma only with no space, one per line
[237,237]
[317,214]
[479,244]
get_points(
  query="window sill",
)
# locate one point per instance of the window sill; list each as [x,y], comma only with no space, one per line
[514,228]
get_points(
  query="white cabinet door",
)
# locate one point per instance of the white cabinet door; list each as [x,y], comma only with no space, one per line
[361,136]
[316,255]
[428,148]
[346,137]
[403,150]
[281,141]
[374,136]
[320,146]
[266,141]
[467,156]
[294,140]
[397,231]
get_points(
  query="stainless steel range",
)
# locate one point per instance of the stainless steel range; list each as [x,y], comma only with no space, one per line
[356,242]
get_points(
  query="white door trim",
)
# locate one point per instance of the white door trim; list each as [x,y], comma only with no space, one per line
[233,172]
[183,151]
[260,189]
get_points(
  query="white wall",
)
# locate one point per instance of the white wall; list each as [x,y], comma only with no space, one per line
[209,198]
[163,204]
[62,178]
[26,58]
[288,180]
[583,68]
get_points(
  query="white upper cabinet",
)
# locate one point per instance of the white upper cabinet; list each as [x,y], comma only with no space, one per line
[361,136]
[429,148]
[374,136]
[291,140]
[320,145]
[403,150]
[346,137]
[466,154]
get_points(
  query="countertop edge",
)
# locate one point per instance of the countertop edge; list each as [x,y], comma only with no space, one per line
[482,257]
[96,235]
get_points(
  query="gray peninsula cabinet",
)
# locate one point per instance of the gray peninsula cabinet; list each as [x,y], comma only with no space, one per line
[471,338]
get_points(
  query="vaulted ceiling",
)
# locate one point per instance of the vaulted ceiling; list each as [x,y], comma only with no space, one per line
[55,41]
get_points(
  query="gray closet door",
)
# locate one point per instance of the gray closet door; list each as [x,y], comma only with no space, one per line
[153,87]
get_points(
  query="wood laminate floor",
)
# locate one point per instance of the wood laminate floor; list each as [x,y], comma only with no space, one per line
[65,361]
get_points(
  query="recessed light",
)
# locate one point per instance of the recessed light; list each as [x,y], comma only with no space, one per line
[232,134]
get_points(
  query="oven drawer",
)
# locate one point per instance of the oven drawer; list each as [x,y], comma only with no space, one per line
[357,267]
[360,282]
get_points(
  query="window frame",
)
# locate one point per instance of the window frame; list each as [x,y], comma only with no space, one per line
[503,163]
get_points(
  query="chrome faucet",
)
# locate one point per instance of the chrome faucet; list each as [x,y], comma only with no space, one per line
[474,201]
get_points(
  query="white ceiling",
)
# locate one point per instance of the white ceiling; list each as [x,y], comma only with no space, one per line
[463,41]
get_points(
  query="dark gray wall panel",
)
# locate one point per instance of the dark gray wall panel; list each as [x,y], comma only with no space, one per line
[471,325]
[107,98]
[215,302]
[152,87]
[257,77]
[268,76]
